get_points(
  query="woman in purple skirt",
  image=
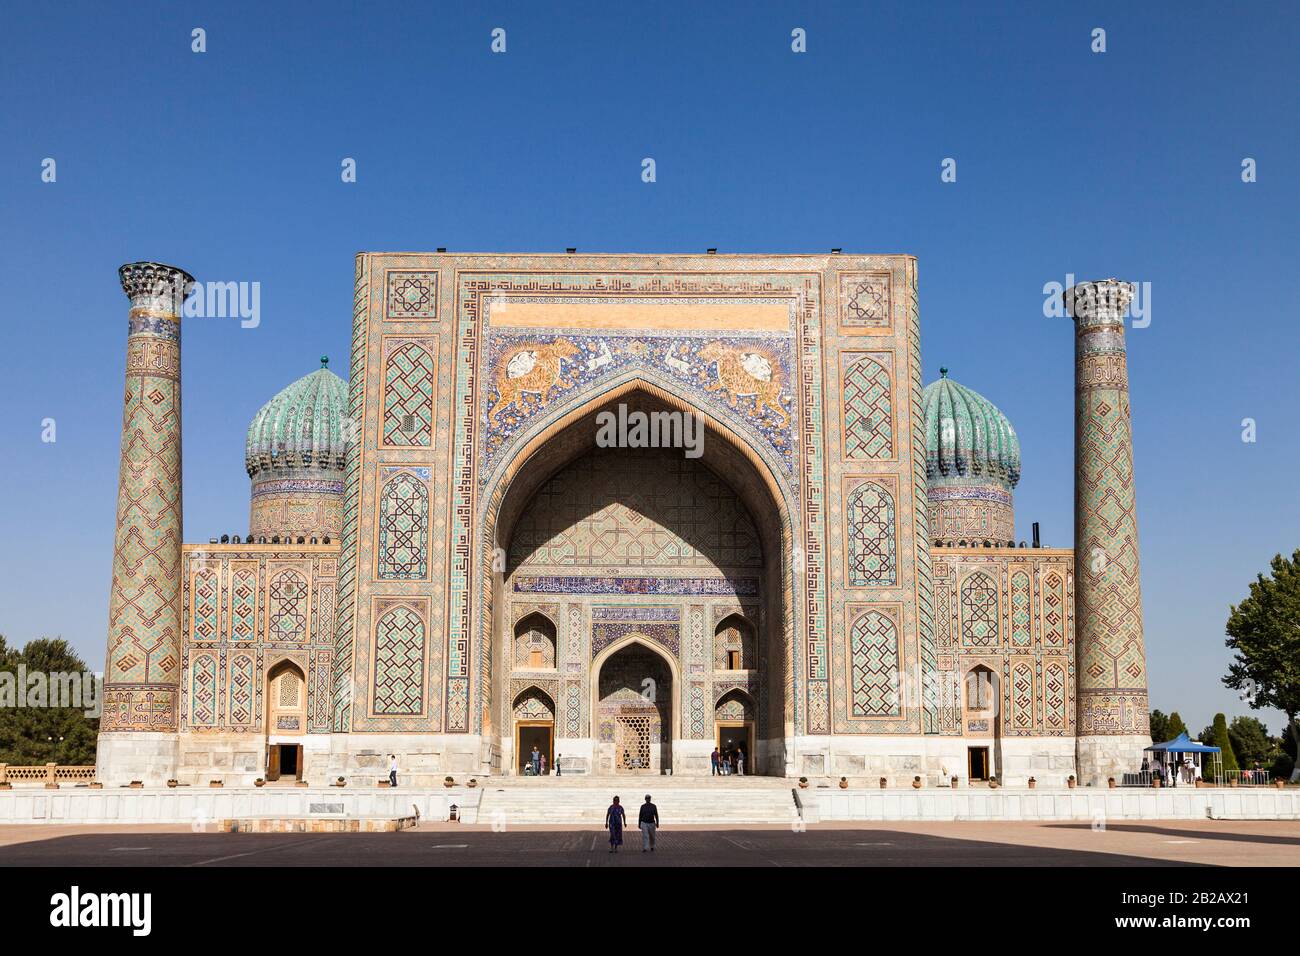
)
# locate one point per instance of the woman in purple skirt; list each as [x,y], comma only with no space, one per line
[614,820]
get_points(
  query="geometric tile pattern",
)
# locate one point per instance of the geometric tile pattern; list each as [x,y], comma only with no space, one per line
[288,617]
[207,607]
[697,710]
[1112,686]
[864,300]
[1036,681]
[399,663]
[243,605]
[1054,696]
[298,625]
[242,689]
[408,396]
[573,709]
[1054,609]
[598,512]
[203,691]
[412,295]
[344,678]
[143,666]
[1022,696]
[979,611]
[1021,619]
[868,415]
[873,664]
[403,527]
[936,716]
[872,553]
[533,705]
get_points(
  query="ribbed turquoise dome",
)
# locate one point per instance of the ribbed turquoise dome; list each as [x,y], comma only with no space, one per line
[966,436]
[302,427]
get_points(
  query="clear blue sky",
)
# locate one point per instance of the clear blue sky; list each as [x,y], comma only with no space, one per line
[1125,163]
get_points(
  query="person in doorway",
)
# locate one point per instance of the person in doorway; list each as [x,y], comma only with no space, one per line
[542,765]
[714,760]
[648,821]
[535,761]
[740,761]
[615,817]
[392,770]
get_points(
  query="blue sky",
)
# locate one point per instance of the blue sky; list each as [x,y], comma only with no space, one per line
[227,163]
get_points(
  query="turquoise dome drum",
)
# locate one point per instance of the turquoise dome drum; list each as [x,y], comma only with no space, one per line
[295,454]
[972,464]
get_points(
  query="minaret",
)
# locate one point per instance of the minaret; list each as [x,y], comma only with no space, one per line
[142,668]
[1112,724]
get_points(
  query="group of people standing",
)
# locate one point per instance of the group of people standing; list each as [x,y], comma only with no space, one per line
[727,762]
[536,765]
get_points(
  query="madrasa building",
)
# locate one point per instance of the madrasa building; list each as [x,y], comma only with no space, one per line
[445,562]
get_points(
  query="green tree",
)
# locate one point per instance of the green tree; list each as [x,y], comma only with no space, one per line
[34,735]
[1221,740]
[1176,727]
[1264,634]
[1159,726]
[1251,742]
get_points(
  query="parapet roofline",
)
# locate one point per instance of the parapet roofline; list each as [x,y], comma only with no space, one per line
[642,255]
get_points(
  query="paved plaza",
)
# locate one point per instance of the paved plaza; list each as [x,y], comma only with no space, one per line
[1180,843]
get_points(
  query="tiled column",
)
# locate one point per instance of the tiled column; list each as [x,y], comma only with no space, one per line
[142,669]
[1112,724]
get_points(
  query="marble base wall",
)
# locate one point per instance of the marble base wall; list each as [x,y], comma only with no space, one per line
[148,757]
[1111,756]
[934,759]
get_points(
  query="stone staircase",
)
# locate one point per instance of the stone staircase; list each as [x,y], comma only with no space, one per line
[583,803]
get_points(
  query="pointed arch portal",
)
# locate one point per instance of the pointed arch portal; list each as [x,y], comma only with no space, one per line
[635,556]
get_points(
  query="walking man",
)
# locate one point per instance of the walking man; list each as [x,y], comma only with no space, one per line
[740,761]
[392,770]
[649,822]
[714,761]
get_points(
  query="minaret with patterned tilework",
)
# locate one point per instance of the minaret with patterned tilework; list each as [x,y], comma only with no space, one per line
[1112,724]
[142,669]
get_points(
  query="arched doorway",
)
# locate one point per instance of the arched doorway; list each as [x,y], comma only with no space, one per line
[286,721]
[981,721]
[634,709]
[733,719]
[534,719]
[607,542]
[534,643]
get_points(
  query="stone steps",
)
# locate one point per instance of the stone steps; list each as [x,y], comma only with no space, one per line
[587,805]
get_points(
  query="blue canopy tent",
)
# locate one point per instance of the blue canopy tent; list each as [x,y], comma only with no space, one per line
[1182,744]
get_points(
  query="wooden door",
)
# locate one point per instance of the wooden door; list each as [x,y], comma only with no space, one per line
[273,762]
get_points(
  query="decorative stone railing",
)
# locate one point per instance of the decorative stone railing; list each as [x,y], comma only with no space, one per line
[51,775]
